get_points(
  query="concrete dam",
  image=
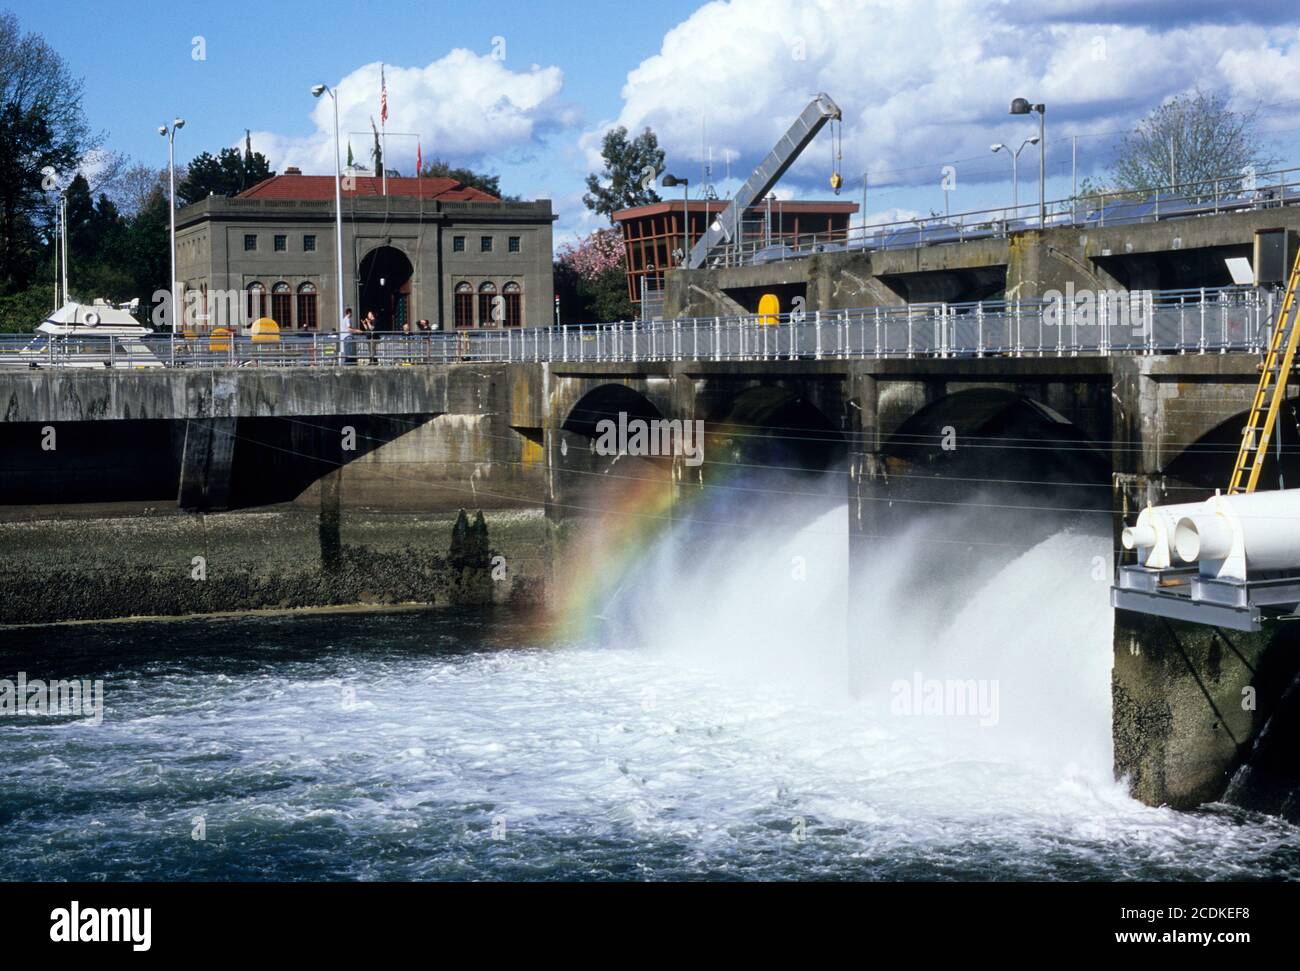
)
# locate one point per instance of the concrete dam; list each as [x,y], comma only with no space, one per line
[176,491]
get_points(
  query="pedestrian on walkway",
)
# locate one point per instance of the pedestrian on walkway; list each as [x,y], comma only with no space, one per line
[346,331]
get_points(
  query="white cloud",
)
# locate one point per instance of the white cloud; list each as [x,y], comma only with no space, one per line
[465,108]
[929,81]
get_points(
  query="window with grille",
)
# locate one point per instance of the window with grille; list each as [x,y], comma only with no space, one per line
[485,244]
[309,244]
[464,305]
[514,308]
[282,305]
[281,243]
[307,306]
[514,244]
[488,314]
[250,242]
[256,301]
[458,244]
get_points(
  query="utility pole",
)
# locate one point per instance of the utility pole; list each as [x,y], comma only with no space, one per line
[1074,175]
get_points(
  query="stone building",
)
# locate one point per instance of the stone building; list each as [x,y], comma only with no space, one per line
[429,248]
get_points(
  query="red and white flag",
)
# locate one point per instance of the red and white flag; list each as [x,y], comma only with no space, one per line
[419,159]
[383,97]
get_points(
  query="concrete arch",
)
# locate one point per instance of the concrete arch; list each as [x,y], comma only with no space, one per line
[768,426]
[1006,444]
[588,479]
[607,401]
[1206,463]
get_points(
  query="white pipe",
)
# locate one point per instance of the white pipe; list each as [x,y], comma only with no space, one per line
[1153,534]
[1142,535]
[1231,536]
[1208,536]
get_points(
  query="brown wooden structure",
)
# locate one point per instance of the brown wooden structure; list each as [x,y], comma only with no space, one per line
[652,233]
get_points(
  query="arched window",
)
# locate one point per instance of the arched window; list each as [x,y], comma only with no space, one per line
[490,312]
[307,306]
[282,305]
[256,301]
[464,305]
[514,297]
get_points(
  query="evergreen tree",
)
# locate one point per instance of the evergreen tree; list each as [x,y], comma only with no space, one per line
[229,173]
[631,168]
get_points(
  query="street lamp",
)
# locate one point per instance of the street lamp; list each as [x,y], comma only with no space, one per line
[1015,159]
[669,182]
[1021,106]
[170,134]
[316,91]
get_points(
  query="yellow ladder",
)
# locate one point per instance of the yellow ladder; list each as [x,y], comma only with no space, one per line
[1269,394]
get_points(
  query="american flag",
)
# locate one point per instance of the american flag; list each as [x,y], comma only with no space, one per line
[383,97]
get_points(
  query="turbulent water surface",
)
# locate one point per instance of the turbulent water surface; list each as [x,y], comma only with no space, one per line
[721,721]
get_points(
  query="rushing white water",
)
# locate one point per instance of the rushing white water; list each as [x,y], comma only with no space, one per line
[726,722]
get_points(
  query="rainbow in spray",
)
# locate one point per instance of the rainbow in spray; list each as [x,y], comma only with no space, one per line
[619,521]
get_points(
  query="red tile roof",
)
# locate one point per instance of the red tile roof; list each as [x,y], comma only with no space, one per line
[321,187]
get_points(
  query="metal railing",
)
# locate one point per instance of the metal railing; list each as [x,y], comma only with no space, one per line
[1151,322]
[1236,193]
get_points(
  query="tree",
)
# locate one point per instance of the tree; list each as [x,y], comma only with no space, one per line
[631,168]
[228,174]
[591,279]
[440,169]
[137,184]
[146,251]
[43,134]
[377,153]
[96,238]
[1200,135]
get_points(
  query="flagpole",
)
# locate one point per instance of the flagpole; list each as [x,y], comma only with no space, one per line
[383,127]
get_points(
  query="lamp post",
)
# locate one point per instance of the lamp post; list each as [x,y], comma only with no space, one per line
[669,182]
[1021,106]
[1015,160]
[317,90]
[61,252]
[169,132]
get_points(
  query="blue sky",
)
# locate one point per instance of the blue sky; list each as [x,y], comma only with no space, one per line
[525,89]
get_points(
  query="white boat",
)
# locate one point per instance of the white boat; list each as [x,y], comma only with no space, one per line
[92,335]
